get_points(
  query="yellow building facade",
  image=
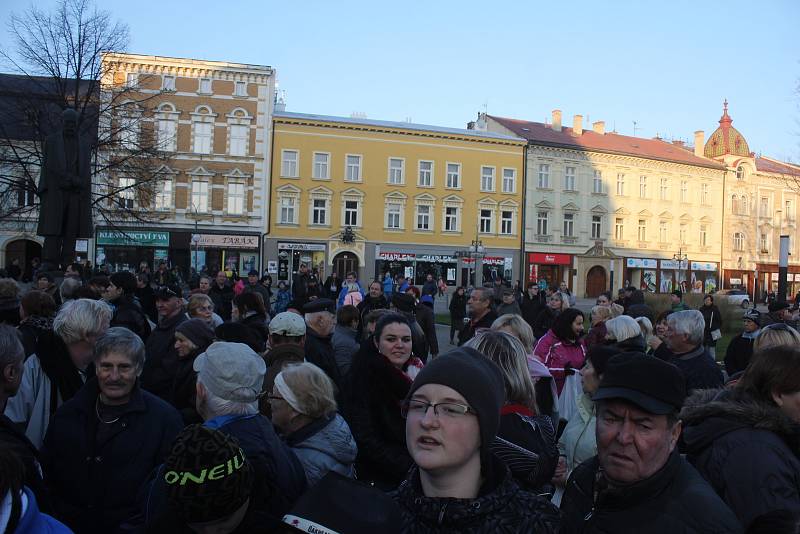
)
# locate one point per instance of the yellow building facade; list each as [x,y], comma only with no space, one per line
[375,196]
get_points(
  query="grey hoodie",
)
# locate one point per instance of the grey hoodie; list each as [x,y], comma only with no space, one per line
[324,445]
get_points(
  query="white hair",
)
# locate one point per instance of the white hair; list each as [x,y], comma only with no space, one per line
[216,406]
[79,319]
[688,323]
[623,327]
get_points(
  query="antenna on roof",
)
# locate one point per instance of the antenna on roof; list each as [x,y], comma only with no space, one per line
[486,106]
[634,128]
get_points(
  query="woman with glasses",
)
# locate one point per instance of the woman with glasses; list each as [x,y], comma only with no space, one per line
[304,411]
[202,307]
[380,376]
[452,414]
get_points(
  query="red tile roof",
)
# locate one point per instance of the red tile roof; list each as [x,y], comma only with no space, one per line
[778,167]
[543,134]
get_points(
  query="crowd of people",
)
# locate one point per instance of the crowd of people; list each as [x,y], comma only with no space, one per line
[143,402]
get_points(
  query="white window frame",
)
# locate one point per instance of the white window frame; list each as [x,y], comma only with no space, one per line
[321,170]
[569,178]
[453,178]
[509,180]
[348,213]
[132,79]
[682,233]
[394,207]
[487,178]
[703,235]
[542,223]
[620,184]
[200,195]
[597,182]
[763,242]
[396,175]
[127,192]
[597,227]
[642,186]
[168,83]
[569,225]
[421,173]
[788,209]
[288,209]
[619,228]
[451,222]
[167,132]
[289,167]
[543,179]
[642,230]
[664,189]
[320,215]
[163,200]
[357,163]
[237,142]
[506,221]
[764,207]
[704,190]
[204,86]
[239,88]
[203,142]
[235,201]
[423,218]
[738,241]
[684,191]
[485,221]
[740,172]
[663,231]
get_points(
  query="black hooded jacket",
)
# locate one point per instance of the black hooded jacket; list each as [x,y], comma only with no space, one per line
[749,451]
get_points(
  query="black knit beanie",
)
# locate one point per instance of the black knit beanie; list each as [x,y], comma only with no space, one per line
[197,331]
[207,475]
[479,380]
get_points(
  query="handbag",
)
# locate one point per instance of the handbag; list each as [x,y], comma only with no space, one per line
[716,334]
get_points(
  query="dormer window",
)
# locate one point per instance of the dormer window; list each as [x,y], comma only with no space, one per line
[740,172]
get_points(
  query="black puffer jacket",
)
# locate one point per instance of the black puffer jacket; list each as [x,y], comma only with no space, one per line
[161,363]
[544,321]
[531,307]
[128,313]
[749,451]
[527,445]
[674,499]
[501,506]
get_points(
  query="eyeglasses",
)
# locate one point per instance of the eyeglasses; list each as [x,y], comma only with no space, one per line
[448,410]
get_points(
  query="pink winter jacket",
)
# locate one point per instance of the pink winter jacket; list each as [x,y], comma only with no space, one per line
[556,354]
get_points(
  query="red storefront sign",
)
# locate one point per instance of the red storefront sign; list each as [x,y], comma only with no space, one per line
[549,259]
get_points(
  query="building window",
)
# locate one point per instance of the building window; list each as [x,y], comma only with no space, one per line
[544,176]
[682,234]
[239,134]
[569,179]
[289,159]
[663,189]
[451,219]
[486,221]
[26,195]
[764,209]
[168,83]
[663,231]
[288,211]
[506,222]
[643,187]
[205,86]
[542,218]
[396,171]
[321,167]
[128,133]
[763,242]
[423,217]
[127,193]
[738,241]
[240,89]
[597,182]
[620,184]
[684,191]
[353,168]
[743,205]
[619,229]
[203,135]
[509,180]
[454,175]
[200,195]
[351,213]
[167,135]
[163,195]
[569,225]
[740,172]
[487,178]
[789,210]
[425,174]
[393,213]
[236,197]
[319,211]
[642,230]
[704,194]
[132,79]
[596,226]
[703,235]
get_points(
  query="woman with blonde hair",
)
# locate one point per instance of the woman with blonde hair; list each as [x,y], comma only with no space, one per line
[647,331]
[775,334]
[304,410]
[597,332]
[202,307]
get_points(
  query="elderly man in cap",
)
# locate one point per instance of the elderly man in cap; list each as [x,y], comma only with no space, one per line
[254,286]
[320,316]
[779,312]
[740,349]
[287,335]
[161,364]
[638,481]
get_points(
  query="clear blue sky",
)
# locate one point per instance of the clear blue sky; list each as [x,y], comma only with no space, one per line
[666,65]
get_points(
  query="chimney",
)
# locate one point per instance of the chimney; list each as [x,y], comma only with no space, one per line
[699,143]
[556,120]
[599,127]
[577,125]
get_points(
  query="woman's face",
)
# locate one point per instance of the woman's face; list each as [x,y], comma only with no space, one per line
[602,300]
[183,346]
[554,302]
[203,311]
[235,315]
[395,343]
[443,443]
[577,326]
[282,412]
[707,301]
[589,378]
[661,329]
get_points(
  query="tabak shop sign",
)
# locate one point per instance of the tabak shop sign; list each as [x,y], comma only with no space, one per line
[225,241]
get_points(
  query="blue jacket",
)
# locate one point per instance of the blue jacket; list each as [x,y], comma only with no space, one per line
[35,522]
[388,286]
[325,445]
[345,290]
[94,486]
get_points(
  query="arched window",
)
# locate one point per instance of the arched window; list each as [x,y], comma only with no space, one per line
[740,172]
[738,241]
[735,204]
[743,205]
[203,126]
[167,127]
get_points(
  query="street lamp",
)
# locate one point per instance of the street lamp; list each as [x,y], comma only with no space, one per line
[196,237]
[682,260]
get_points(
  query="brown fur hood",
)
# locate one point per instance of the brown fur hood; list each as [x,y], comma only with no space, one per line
[710,414]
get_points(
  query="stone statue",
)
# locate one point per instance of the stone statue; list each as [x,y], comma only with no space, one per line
[65,191]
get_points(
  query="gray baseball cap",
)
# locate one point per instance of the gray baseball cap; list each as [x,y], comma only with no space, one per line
[288,324]
[231,371]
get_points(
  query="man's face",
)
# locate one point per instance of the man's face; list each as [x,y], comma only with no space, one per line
[303,268]
[43,283]
[674,299]
[221,278]
[112,292]
[429,278]
[168,307]
[253,279]
[375,290]
[350,279]
[13,377]
[323,323]
[205,285]
[508,298]
[116,376]
[633,444]
[476,304]
[676,341]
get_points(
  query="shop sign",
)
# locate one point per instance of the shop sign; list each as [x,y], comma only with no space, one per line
[641,263]
[797,278]
[436,258]
[225,241]
[550,259]
[488,260]
[735,281]
[133,238]
[397,256]
[774,277]
[300,246]
[672,264]
[703,266]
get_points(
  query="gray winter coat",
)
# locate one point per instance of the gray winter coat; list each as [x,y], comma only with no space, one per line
[345,347]
[324,445]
